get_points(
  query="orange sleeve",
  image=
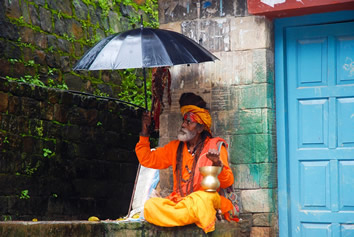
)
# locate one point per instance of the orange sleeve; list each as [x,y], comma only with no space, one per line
[226,177]
[161,158]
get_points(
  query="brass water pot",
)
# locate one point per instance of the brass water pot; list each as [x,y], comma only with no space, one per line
[210,182]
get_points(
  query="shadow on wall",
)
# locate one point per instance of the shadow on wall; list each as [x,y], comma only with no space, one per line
[65,155]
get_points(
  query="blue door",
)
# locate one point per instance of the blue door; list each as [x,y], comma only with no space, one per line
[319,130]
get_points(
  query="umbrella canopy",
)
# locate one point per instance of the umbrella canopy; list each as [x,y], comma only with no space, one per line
[143,48]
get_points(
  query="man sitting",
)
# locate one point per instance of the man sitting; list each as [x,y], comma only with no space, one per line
[195,148]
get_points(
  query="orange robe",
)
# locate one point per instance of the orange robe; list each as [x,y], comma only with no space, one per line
[199,206]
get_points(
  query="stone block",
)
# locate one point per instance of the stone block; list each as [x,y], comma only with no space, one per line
[34,15]
[262,219]
[214,9]
[246,176]
[60,113]
[269,125]
[260,232]
[4,101]
[263,66]
[254,148]
[55,206]
[25,13]
[169,125]
[81,10]
[264,148]
[268,175]
[220,99]
[12,9]
[166,181]
[3,206]
[186,77]
[222,122]
[258,200]
[257,96]
[173,11]
[46,19]
[128,173]
[47,111]
[251,32]
[172,26]
[249,128]
[113,21]
[241,149]
[39,2]
[212,34]
[63,6]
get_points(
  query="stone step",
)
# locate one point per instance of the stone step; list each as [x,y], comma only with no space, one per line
[108,229]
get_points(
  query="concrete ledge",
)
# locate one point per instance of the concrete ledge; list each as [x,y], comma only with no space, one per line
[108,229]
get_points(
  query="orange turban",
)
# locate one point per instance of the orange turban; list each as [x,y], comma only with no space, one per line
[202,115]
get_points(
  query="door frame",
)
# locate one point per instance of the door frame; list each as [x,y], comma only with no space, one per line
[281,104]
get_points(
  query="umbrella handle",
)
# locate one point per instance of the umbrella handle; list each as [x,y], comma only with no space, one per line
[144,73]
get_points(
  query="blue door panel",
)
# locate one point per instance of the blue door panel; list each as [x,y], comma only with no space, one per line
[346,185]
[314,229]
[320,100]
[313,123]
[347,230]
[345,107]
[314,178]
[345,66]
[311,71]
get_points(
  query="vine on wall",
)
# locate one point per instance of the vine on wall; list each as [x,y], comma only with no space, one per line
[42,40]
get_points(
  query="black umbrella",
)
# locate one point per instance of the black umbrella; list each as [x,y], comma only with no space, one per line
[143,48]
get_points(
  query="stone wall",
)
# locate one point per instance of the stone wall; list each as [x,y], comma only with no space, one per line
[239,89]
[63,155]
[41,41]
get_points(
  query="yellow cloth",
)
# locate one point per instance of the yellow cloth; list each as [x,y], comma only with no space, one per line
[203,115]
[198,207]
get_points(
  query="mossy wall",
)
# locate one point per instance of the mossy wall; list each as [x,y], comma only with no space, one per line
[41,40]
[64,156]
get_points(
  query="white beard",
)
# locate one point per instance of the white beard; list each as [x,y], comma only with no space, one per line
[185,135]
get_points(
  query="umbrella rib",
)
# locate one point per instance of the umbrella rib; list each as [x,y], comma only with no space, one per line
[103,45]
[164,49]
[186,50]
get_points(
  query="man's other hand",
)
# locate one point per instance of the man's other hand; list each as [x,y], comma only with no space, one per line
[214,156]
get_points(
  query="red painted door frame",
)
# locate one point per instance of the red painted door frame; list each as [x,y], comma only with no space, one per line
[286,8]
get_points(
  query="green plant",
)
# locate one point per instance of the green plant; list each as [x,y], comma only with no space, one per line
[150,8]
[6,140]
[29,63]
[24,194]
[132,88]
[99,123]
[69,38]
[28,79]
[98,92]
[55,195]
[13,60]
[48,153]
[50,49]
[6,218]
[54,84]
[39,131]
[29,170]
[51,71]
